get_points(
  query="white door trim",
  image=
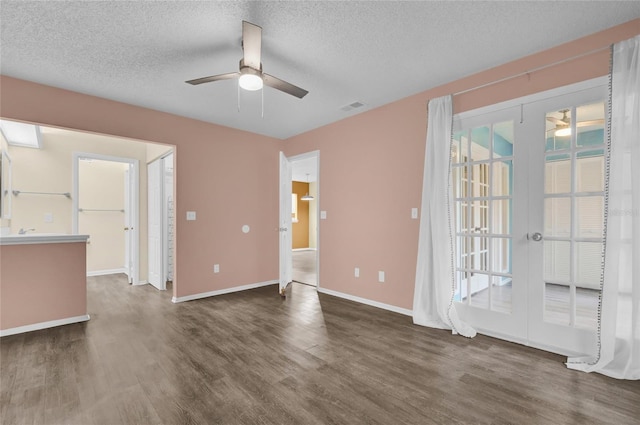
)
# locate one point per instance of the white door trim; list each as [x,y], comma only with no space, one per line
[134,213]
[155,224]
[532,98]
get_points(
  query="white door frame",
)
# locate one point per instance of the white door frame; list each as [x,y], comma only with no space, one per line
[303,156]
[134,215]
[574,344]
[155,234]
[284,224]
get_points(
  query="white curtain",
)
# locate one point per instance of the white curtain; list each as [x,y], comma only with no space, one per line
[433,297]
[619,336]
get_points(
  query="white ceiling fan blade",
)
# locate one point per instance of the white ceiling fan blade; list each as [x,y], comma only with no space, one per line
[251,44]
[590,123]
[214,78]
[283,86]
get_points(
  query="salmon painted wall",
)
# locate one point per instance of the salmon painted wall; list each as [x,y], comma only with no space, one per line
[54,290]
[381,154]
[229,177]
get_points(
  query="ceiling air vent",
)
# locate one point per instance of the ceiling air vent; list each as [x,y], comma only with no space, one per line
[351,106]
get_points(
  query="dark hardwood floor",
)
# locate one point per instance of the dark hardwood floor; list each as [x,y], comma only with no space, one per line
[255,358]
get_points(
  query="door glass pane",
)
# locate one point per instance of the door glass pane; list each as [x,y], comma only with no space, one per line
[587,301]
[590,216]
[501,217]
[589,256]
[480,216]
[479,180]
[557,303]
[501,294]
[501,255]
[479,254]
[460,147]
[558,134]
[503,139]
[483,176]
[590,171]
[557,217]
[572,265]
[590,125]
[557,261]
[462,287]
[480,143]
[502,179]
[459,180]
[557,174]
[480,290]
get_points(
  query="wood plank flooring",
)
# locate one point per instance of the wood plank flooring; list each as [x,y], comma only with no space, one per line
[304,267]
[255,358]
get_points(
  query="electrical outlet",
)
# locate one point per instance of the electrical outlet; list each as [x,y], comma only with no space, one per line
[48,217]
[191,215]
[216,268]
[356,272]
[381,276]
[414,213]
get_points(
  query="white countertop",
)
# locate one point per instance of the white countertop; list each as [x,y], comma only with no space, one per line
[40,238]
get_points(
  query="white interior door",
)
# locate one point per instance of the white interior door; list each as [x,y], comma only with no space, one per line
[567,154]
[155,183]
[128,263]
[285,223]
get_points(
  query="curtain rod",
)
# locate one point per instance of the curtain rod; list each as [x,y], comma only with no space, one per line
[529,71]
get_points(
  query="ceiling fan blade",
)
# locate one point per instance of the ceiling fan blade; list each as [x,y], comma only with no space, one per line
[555,120]
[214,78]
[283,86]
[251,44]
[590,123]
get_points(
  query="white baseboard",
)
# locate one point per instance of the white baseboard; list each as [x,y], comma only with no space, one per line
[223,291]
[106,272]
[372,303]
[43,325]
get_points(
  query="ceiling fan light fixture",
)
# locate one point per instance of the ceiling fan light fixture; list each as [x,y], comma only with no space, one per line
[563,132]
[251,82]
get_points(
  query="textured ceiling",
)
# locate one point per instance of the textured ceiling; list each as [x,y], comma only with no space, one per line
[141,52]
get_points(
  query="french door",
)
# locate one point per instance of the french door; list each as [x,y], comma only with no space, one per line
[528,184]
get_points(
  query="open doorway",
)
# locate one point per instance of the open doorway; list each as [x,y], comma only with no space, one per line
[105,206]
[304,218]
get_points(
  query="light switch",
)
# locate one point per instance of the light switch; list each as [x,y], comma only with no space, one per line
[380,276]
[323,215]
[191,215]
[414,213]
[216,268]
[356,272]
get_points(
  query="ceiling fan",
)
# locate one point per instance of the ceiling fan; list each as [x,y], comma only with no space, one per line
[563,125]
[250,74]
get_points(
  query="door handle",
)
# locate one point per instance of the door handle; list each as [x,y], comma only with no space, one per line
[536,237]
[282,229]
